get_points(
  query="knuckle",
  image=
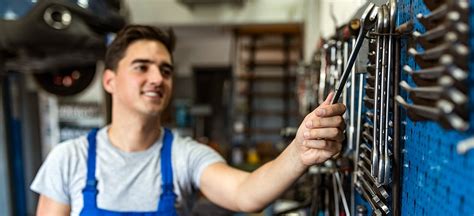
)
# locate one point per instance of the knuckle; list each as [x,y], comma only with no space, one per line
[326,144]
[319,122]
[314,133]
[333,132]
[316,122]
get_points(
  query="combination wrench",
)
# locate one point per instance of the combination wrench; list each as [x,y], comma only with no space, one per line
[366,23]
[390,72]
[379,26]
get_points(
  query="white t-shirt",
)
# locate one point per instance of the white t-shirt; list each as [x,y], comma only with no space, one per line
[126,181]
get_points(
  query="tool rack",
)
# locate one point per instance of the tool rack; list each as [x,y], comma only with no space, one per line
[410,98]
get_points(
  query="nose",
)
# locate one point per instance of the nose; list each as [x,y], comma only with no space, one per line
[155,76]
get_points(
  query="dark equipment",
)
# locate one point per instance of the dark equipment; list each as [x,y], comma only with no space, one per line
[57,38]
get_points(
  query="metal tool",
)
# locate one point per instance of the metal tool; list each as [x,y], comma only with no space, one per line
[372,45]
[365,194]
[396,158]
[433,4]
[464,146]
[341,192]
[443,113]
[372,194]
[371,68]
[369,90]
[372,56]
[383,93]
[434,73]
[365,147]
[437,92]
[352,111]
[369,102]
[370,115]
[438,15]
[430,57]
[358,128]
[369,138]
[371,80]
[436,34]
[368,126]
[361,210]
[434,18]
[379,187]
[378,70]
[368,187]
[365,157]
[390,70]
[322,77]
[366,23]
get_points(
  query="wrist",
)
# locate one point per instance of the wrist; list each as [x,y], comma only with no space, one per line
[296,156]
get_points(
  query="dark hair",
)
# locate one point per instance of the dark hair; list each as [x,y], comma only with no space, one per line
[131,33]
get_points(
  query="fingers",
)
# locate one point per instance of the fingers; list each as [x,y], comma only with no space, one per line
[328,122]
[317,144]
[330,110]
[329,146]
[335,134]
[328,99]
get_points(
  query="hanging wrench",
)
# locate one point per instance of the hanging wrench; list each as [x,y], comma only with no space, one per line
[378,69]
[382,95]
[390,73]
[366,23]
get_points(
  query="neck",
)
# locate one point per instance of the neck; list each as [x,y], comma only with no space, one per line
[134,133]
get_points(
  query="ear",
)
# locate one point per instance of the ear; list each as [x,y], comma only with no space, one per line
[108,80]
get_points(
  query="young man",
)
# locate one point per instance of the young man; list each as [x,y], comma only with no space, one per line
[136,166]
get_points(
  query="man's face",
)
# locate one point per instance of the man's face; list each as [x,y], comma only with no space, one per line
[143,80]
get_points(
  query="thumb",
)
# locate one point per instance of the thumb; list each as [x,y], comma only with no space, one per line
[328,99]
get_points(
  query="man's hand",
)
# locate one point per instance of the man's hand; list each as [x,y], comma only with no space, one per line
[320,135]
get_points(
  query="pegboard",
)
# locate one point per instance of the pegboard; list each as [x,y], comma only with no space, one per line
[435,180]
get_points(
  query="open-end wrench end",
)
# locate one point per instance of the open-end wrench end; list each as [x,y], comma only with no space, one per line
[412,51]
[408,69]
[465,145]
[405,86]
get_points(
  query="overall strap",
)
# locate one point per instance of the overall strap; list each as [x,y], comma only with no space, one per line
[90,191]
[167,197]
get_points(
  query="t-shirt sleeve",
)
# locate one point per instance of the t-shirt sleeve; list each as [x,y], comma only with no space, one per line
[200,157]
[52,177]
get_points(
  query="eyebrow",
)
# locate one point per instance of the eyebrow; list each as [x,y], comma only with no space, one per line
[148,61]
[143,61]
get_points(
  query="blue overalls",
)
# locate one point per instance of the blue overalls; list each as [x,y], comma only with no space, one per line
[167,197]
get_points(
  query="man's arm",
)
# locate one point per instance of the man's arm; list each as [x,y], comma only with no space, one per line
[49,207]
[318,138]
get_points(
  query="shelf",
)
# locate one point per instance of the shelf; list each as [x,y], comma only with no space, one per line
[273,47]
[292,29]
[268,94]
[269,78]
[272,64]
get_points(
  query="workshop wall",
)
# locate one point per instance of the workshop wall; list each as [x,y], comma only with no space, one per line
[175,13]
[201,46]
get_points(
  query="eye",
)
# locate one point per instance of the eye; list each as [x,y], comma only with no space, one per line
[141,68]
[166,71]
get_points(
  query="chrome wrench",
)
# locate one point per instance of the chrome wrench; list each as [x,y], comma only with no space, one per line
[366,23]
[375,145]
[382,95]
[391,66]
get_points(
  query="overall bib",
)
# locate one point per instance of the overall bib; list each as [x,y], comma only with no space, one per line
[167,197]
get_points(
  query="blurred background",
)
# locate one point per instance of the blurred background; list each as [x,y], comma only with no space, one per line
[246,73]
